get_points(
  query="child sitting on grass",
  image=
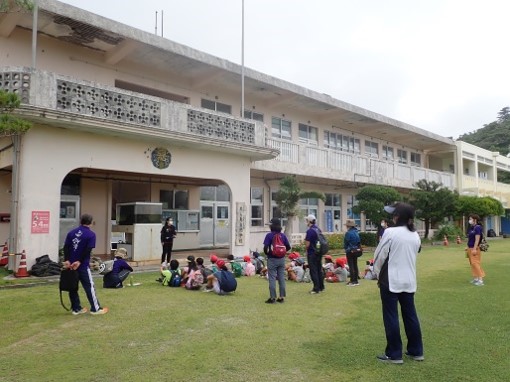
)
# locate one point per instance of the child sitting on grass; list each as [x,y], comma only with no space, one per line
[249,268]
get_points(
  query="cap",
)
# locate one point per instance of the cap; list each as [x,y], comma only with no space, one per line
[299,261]
[350,223]
[247,259]
[213,258]
[220,263]
[275,222]
[390,209]
[293,255]
[328,257]
[340,262]
[191,258]
[310,218]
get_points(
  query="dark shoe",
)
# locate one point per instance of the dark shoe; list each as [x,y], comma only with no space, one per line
[280,300]
[270,301]
[160,280]
[415,357]
[384,358]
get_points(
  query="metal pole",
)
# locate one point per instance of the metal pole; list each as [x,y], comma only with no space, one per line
[156,25]
[161,23]
[34,33]
[242,62]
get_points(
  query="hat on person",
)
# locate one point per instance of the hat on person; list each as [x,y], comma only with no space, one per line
[350,223]
[328,257]
[340,262]
[191,258]
[220,263]
[247,259]
[121,252]
[255,254]
[293,256]
[213,258]
[299,261]
[391,209]
[275,222]
[310,218]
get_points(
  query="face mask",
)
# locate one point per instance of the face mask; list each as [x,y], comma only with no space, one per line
[383,224]
[471,221]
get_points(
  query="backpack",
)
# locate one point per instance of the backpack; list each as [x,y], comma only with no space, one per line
[227,281]
[323,245]
[196,280]
[106,267]
[237,269]
[279,249]
[259,264]
[175,279]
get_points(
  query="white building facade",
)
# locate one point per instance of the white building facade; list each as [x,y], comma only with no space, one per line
[122,116]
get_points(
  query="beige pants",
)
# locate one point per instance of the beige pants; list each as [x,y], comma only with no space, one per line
[475,260]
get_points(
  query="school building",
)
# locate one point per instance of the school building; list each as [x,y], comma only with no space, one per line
[132,127]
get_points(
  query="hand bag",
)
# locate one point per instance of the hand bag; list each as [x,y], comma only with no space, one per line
[69,280]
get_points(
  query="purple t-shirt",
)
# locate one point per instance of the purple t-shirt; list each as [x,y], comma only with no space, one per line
[268,241]
[472,232]
[80,241]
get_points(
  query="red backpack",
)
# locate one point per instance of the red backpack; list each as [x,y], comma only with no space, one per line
[279,249]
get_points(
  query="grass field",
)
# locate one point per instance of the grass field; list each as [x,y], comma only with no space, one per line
[154,333]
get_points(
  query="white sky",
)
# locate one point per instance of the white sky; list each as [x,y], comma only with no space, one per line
[441,65]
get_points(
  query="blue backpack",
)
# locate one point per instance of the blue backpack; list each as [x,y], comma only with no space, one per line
[228,282]
[175,280]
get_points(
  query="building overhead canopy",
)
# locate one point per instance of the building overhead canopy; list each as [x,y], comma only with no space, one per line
[119,42]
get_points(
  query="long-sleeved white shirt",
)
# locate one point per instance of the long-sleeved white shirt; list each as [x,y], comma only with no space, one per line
[400,246]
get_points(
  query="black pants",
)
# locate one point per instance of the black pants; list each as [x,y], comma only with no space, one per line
[167,252]
[315,265]
[352,262]
[114,280]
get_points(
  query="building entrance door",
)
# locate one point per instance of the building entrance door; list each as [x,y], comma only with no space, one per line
[214,224]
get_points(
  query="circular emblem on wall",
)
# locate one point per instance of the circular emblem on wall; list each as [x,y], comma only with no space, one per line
[161,157]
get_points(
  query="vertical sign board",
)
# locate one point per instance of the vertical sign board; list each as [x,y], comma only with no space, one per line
[40,221]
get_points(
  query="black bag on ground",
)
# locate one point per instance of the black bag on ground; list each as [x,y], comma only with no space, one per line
[69,280]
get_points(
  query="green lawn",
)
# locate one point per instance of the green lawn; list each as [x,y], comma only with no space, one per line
[154,333]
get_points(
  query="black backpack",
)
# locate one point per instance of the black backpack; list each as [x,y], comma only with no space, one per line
[323,246]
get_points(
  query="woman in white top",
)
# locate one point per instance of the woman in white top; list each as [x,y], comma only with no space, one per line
[395,267]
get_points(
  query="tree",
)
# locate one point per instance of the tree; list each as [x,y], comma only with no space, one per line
[504,115]
[432,202]
[288,196]
[11,125]
[482,206]
[372,199]
[16,5]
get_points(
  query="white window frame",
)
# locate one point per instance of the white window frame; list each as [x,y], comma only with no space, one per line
[218,106]
[257,203]
[279,128]
[371,149]
[402,156]
[311,134]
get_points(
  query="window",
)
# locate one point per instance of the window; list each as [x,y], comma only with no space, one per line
[308,134]
[350,144]
[387,152]
[332,140]
[257,207]
[415,159]
[216,106]
[371,149]
[248,114]
[212,193]
[308,206]
[281,128]
[402,156]
[174,200]
[275,210]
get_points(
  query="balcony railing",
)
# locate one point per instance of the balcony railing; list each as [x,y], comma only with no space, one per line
[70,95]
[320,162]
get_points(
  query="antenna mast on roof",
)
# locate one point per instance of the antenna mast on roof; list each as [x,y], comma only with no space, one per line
[156,24]
[161,23]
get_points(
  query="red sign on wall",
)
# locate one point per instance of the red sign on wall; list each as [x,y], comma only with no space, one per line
[40,221]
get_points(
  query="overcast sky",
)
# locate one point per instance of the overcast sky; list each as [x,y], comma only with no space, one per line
[441,65]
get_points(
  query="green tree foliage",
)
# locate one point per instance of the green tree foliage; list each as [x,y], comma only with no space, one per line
[372,199]
[432,202]
[9,124]
[494,136]
[482,206]
[16,5]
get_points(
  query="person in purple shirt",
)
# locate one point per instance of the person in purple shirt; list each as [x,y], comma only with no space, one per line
[475,234]
[77,250]
[120,272]
[314,257]
[275,264]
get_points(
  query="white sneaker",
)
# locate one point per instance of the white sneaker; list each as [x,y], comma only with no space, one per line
[478,283]
[100,311]
[77,312]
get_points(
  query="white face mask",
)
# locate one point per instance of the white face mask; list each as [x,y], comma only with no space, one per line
[471,221]
[383,224]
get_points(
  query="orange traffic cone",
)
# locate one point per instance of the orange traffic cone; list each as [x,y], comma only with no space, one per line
[459,241]
[4,260]
[22,269]
[445,242]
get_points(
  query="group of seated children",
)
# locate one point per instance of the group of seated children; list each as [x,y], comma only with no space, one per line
[337,271]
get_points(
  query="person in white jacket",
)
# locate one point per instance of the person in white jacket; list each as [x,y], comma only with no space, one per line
[395,267]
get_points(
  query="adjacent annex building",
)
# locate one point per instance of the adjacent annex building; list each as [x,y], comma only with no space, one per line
[132,127]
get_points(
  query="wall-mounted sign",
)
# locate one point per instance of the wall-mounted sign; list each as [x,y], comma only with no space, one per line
[161,157]
[40,221]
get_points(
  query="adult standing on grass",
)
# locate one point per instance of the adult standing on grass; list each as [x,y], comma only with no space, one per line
[275,263]
[395,266]
[168,234]
[313,255]
[77,250]
[352,246]
[475,234]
